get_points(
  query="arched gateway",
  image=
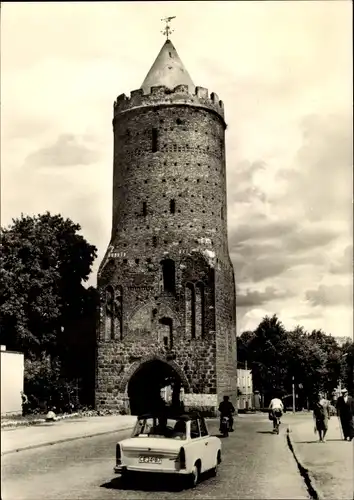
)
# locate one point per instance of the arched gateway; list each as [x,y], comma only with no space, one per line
[147,378]
[166,283]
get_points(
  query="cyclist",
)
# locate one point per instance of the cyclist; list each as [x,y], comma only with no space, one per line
[276,409]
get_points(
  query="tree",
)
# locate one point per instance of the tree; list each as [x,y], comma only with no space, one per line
[331,348]
[279,358]
[43,263]
[307,363]
[347,365]
[243,343]
[264,350]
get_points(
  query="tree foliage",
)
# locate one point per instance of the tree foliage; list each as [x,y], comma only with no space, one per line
[278,358]
[347,366]
[43,264]
[44,307]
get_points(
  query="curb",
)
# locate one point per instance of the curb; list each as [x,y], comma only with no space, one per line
[65,440]
[313,489]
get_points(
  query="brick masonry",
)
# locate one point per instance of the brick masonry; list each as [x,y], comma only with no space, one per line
[166,283]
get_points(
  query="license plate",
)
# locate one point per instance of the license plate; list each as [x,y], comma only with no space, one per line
[150,460]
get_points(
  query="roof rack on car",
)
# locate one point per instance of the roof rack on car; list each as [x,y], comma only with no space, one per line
[171,413]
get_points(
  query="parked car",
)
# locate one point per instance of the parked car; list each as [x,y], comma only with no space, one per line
[179,444]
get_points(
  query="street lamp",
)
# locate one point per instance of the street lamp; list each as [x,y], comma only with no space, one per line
[293,391]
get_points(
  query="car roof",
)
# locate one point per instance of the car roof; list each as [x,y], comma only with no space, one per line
[172,414]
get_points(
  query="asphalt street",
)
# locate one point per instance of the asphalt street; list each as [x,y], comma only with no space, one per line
[256,465]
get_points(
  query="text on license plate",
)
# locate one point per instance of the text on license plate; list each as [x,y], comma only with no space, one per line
[150,460]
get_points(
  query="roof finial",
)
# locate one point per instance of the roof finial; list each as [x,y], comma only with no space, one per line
[167,31]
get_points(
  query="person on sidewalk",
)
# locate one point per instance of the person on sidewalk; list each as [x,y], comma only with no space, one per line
[345,411]
[25,404]
[321,415]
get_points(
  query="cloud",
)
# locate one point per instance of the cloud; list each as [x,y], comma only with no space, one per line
[273,248]
[68,150]
[334,295]
[288,141]
[250,298]
[320,180]
[345,264]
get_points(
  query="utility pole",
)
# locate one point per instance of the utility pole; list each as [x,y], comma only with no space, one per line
[293,387]
[245,365]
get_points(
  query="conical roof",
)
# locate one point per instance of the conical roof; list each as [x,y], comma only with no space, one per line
[167,70]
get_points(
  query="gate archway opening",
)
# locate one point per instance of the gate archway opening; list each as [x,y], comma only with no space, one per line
[145,385]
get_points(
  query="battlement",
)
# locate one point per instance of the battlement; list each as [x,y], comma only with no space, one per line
[161,95]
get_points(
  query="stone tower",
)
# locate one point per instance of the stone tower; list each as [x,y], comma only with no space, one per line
[167,289]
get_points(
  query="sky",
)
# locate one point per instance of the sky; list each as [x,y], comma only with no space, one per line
[284,72]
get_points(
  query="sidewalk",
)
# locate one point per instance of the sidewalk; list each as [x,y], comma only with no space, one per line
[21,438]
[330,465]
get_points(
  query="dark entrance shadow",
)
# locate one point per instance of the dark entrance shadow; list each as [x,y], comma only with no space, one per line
[265,432]
[144,387]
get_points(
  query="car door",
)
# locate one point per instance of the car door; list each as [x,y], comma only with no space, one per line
[197,443]
[208,444]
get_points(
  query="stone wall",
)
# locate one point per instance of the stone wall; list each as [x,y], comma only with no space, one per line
[117,362]
[160,280]
[187,171]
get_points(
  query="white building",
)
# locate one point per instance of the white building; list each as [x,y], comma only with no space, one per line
[12,378]
[245,389]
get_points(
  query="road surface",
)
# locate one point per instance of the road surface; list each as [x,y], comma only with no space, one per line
[256,465]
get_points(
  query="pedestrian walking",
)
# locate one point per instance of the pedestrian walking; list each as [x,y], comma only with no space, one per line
[321,416]
[25,404]
[345,412]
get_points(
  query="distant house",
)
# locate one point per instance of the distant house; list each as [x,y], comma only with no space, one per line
[244,389]
[12,379]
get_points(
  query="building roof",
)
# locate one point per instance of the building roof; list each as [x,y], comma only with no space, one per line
[167,70]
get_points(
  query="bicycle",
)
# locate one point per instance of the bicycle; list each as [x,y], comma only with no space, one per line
[276,421]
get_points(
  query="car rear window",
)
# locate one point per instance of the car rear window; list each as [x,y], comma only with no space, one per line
[160,428]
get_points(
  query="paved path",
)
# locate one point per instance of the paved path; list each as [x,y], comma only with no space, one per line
[38,435]
[330,464]
[256,465]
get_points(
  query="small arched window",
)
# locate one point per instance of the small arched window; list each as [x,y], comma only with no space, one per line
[199,310]
[109,314]
[172,206]
[190,310]
[169,275]
[154,140]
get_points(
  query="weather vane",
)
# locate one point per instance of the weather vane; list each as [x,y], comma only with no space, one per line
[167,31]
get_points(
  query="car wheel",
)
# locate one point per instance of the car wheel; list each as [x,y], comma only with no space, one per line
[194,477]
[216,468]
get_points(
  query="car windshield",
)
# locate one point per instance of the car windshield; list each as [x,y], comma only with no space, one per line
[171,428]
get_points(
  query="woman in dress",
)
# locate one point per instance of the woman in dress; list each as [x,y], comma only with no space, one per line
[321,415]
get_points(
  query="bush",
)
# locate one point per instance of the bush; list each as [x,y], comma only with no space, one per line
[46,389]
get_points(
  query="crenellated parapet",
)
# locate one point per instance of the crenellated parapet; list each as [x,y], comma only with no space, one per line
[161,95]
